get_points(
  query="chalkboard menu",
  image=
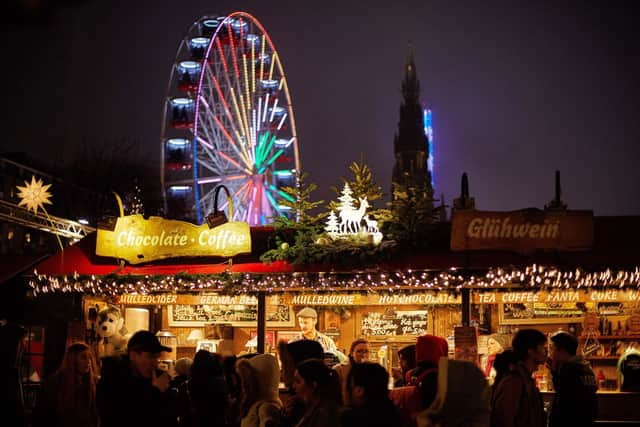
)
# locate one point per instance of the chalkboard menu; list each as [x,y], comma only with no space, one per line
[394,323]
[236,315]
[536,313]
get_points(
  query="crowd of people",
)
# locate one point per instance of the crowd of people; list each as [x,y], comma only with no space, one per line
[299,388]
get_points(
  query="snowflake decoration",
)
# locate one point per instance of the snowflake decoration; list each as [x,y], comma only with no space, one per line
[34,195]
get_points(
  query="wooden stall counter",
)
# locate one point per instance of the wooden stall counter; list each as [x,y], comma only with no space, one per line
[614,407]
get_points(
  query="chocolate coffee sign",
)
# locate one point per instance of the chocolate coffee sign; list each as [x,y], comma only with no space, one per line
[523,230]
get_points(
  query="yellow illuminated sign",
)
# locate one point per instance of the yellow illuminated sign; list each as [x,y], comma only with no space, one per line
[138,240]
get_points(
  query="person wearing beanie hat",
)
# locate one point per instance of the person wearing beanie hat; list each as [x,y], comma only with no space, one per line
[307,319]
[496,344]
[260,377]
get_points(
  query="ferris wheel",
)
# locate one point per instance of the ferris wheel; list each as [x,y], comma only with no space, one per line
[228,119]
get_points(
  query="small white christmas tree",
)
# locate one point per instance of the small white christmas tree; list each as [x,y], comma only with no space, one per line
[332,224]
[346,200]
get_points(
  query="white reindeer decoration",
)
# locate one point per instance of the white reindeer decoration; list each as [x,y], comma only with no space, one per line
[372,224]
[350,218]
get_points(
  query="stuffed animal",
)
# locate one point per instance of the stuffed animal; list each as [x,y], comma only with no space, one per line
[112,332]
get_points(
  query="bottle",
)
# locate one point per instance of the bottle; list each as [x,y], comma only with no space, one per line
[619,329]
[601,379]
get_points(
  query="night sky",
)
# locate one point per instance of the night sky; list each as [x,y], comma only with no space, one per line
[518,89]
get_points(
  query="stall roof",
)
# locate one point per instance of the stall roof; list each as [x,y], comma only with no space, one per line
[617,246]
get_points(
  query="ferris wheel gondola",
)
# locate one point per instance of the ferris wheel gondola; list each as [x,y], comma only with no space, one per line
[228,119]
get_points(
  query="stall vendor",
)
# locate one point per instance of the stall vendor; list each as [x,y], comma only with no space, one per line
[307,319]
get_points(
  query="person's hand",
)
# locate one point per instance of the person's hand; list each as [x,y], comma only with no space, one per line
[396,373]
[161,382]
[289,405]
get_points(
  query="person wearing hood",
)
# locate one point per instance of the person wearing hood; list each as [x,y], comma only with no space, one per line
[574,401]
[259,376]
[462,399]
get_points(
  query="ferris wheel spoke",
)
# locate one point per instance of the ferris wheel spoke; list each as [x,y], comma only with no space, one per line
[244,155]
[233,51]
[273,202]
[233,162]
[214,169]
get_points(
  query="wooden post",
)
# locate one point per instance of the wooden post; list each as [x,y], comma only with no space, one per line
[262,329]
[466,306]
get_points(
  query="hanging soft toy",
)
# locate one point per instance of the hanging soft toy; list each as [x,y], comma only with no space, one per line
[113,334]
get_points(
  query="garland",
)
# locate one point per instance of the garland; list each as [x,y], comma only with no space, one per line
[533,278]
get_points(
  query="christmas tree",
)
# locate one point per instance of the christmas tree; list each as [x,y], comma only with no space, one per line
[332,224]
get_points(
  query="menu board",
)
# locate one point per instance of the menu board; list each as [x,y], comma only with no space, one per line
[393,323]
[537,313]
[236,315]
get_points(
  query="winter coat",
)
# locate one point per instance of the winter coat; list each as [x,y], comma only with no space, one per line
[48,412]
[517,401]
[324,414]
[629,371]
[574,401]
[343,374]
[462,399]
[261,373]
[372,414]
[126,400]
[429,350]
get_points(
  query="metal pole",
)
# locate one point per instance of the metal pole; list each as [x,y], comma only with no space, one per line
[261,320]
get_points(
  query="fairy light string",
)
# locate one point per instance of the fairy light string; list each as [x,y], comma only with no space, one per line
[531,278]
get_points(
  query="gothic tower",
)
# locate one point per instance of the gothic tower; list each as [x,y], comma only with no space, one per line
[411,146]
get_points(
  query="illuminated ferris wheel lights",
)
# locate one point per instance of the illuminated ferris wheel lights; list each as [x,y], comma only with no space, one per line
[177,142]
[284,143]
[241,136]
[269,84]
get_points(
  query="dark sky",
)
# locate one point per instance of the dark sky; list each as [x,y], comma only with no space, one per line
[518,89]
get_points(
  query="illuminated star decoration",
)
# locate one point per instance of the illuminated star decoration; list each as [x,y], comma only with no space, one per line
[34,195]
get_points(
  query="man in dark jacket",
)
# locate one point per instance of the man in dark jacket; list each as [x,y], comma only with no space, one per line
[574,402]
[132,392]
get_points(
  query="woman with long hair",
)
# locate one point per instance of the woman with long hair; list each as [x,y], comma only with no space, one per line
[358,353]
[203,396]
[68,397]
[319,388]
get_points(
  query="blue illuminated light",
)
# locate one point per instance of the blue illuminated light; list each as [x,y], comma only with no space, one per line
[211,23]
[252,38]
[200,42]
[182,101]
[177,142]
[189,65]
[237,24]
[180,188]
[428,131]
[270,84]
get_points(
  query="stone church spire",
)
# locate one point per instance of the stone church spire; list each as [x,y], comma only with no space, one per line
[411,145]
[410,84]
